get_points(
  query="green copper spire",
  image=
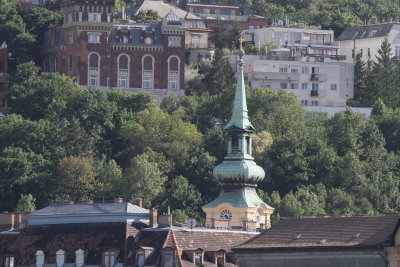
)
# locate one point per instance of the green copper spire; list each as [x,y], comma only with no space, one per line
[240,117]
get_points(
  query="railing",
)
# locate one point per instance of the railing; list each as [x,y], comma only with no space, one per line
[318,92]
[123,71]
[93,70]
[223,17]
[202,46]
[318,77]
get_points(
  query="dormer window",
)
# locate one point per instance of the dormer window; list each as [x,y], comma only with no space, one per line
[95,17]
[198,258]
[109,258]
[220,258]
[124,39]
[168,257]
[142,254]
[9,261]
[148,40]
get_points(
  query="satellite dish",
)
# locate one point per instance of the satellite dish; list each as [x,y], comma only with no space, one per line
[191,223]
[280,22]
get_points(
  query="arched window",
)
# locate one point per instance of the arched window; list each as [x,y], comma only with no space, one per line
[94,69]
[173,72]
[147,72]
[148,40]
[123,71]
[70,69]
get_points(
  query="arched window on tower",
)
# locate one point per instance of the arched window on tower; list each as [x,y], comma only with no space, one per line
[173,73]
[70,69]
[94,69]
[123,71]
[147,72]
[235,143]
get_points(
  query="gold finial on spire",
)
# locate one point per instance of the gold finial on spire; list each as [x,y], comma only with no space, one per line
[241,39]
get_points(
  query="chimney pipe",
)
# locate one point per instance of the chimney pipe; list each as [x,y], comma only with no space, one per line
[138,202]
[153,218]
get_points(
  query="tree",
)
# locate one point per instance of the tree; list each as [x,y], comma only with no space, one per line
[76,177]
[26,204]
[147,16]
[384,77]
[142,178]
[221,75]
[234,35]
[290,206]
[26,71]
[218,37]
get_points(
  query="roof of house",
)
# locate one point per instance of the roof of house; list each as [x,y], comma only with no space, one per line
[326,232]
[162,8]
[93,238]
[90,208]
[185,241]
[366,31]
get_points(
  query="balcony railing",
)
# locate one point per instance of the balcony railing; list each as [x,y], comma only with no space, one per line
[194,45]
[316,77]
[93,70]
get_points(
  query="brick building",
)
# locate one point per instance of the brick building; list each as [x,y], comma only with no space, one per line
[3,79]
[124,54]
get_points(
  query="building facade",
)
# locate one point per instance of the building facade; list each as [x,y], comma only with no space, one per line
[124,54]
[238,205]
[367,40]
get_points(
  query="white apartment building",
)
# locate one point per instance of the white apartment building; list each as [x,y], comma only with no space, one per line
[367,40]
[309,42]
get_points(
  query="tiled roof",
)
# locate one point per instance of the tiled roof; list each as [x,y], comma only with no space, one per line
[327,232]
[366,31]
[94,239]
[162,8]
[94,208]
[185,241]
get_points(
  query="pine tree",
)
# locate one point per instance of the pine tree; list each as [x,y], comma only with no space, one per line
[219,38]
[359,78]
[384,77]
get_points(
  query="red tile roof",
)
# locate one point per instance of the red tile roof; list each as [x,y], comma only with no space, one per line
[327,232]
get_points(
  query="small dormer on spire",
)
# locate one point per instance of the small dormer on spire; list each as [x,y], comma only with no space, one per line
[240,117]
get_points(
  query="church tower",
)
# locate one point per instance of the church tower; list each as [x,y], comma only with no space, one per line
[238,205]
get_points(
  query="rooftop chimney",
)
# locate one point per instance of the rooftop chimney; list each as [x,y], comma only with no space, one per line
[138,202]
[153,218]
[118,200]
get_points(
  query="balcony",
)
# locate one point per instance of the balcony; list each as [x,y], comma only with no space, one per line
[93,70]
[280,76]
[318,92]
[316,77]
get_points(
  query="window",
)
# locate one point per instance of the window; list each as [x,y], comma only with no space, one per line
[71,37]
[198,258]
[173,73]
[283,69]
[80,16]
[284,85]
[235,143]
[123,71]
[94,69]
[9,262]
[304,102]
[352,53]
[69,18]
[304,86]
[304,69]
[314,103]
[174,41]
[94,17]
[294,70]
[141,258]
[195,41]
[148,40]
[333,86]
[109,258]
[361,52]
[124,39]
[108,17]
[369,52]
[147,72]
[221,258]
[315,70]
[372,33]
[315,86]
[397,51]
[94,37]
[294,86]
[70,66]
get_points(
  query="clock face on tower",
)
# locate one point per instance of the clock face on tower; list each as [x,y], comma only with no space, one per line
[226,215]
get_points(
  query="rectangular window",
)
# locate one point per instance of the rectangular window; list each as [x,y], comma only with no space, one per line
[294,86]
[94,37]
[315,86]
[109,258]
[95,17]
[9,262]
[69,18]
[397,52]
[314,103]
[147,79]
[71,37]
[333,86]
[304,86]
[93,80]
[123,81]
[304,102]
[283,69]
[294,70]
[304,69]
[284,85]
[168,260]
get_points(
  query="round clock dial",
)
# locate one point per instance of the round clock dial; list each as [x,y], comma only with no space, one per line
[226,215]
